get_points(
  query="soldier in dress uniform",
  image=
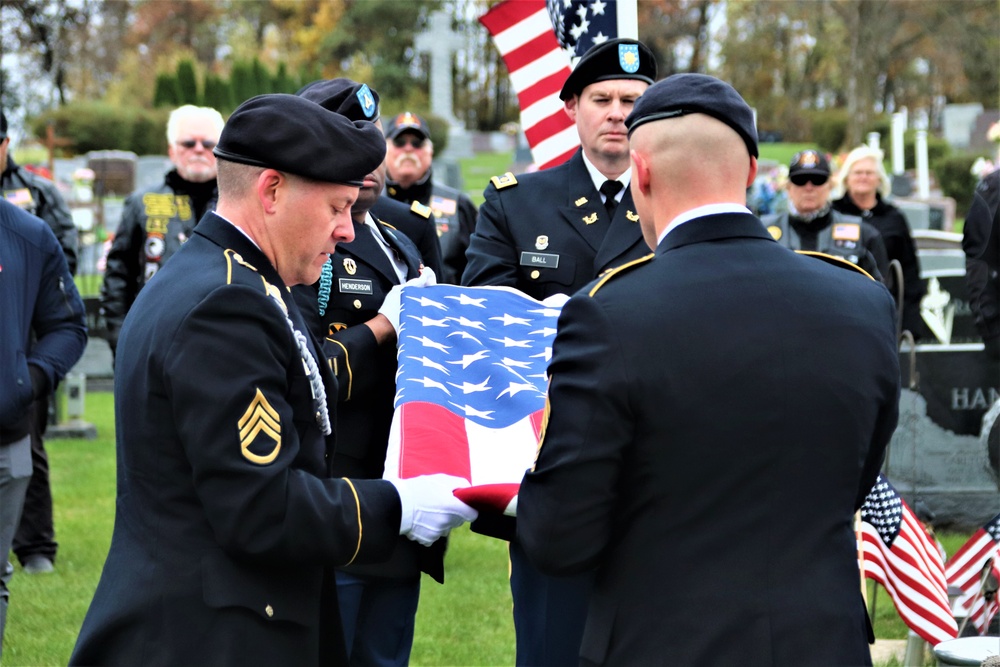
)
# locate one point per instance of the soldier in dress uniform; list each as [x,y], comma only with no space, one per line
[378,603]
[156,221]
[810,223]
[229,520]
[552,232]
[409,154]
[716,414]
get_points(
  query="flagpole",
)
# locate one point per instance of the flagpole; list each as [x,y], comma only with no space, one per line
[987,566]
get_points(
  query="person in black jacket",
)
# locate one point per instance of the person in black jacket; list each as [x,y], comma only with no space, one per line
[811,223]
[716,414]
[43,333]
[865,185]
[378,602]
[229,519]
[410,179]
[158,220]
[981,243]
[35,542]
[551,232]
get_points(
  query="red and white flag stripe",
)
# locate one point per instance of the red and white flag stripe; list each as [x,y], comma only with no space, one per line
[912,573]
[965,570]
[538,67]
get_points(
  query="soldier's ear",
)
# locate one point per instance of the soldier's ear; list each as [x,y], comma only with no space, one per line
[753,171]
[569,106]
[270,186]
[640,172]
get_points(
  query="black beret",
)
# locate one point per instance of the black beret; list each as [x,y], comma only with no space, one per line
[614,59]
[298,136]
[682,94]
[348,98]
[407,122]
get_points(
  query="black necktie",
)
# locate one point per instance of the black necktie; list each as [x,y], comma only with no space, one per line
[609,189]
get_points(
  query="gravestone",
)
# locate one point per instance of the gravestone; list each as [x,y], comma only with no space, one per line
[940,452]
[957,121]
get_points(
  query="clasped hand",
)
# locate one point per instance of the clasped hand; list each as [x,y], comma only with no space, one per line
[390,307]
[430,508]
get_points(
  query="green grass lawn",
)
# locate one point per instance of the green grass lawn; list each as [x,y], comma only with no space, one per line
[477,172]
[467,621]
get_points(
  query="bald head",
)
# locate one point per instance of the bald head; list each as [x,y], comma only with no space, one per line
[683,162]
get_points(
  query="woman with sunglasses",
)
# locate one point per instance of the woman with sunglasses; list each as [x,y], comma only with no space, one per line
[157,220]
[811,223]
[865,182]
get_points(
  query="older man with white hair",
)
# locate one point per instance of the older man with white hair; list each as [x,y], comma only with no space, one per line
[158,220]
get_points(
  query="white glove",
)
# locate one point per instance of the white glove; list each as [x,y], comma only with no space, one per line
[390,307]
[430,509]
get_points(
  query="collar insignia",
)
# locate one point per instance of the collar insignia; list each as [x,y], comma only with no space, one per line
[422,210]
[505,181]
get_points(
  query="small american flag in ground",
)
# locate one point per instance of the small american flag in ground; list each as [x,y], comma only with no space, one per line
[899,554]
[538,40]
[470,387]
[965,570]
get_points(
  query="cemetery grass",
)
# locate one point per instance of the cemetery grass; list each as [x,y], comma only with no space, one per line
[467,621]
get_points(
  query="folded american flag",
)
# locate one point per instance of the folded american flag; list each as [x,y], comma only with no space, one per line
[470,388]
[899,554]
[539,41]
[965,570]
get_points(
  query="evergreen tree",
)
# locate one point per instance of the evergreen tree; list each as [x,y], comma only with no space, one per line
[167,92]
[242,82]
[283,83]
[262,78]
[188,82]
[219,94]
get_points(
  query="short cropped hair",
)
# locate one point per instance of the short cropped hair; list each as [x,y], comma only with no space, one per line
[236,179]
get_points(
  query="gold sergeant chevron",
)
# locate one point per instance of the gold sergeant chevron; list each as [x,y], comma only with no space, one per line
[259,418]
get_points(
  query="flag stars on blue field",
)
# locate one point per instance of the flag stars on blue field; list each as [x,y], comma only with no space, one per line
[467,359]
[581,24]
[509,319]
[883,509]
[454,339]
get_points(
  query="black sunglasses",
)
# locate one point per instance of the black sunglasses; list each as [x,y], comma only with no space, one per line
[207,144]
[404,139]
[802,179]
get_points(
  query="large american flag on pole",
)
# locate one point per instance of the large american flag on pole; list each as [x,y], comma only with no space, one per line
[966,569]
[539,41]
[899,554]
[470,388]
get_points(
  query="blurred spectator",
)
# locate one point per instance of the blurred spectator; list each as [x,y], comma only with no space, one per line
[865,184]
[811,224]
[158,220]
[43,335]
[408,160]
[35,544]
[981,243]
